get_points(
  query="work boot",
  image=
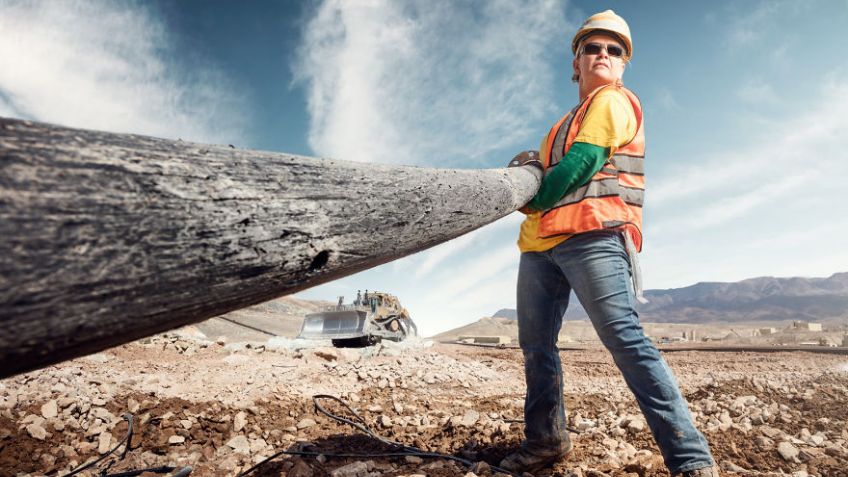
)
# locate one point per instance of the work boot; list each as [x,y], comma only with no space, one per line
[702,472]
[524,460]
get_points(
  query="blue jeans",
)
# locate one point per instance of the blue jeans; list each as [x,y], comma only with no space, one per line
[595,266]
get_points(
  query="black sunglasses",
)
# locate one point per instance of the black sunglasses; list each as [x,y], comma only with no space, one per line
[595,49]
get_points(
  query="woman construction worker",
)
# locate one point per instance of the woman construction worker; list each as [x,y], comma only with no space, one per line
[582,232]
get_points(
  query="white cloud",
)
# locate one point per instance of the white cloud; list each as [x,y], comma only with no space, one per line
[106,65]
[428,83]
[666,99]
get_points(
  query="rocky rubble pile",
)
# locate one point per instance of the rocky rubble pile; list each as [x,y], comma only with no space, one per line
[231,405]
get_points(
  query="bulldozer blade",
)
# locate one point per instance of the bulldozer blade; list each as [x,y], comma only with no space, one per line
[333,325]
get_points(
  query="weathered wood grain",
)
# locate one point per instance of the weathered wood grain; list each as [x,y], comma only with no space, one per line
[106,238]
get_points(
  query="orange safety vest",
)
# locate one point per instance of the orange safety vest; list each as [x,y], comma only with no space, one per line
[613,197]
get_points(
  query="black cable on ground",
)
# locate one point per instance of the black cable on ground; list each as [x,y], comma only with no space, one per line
[181,472]
[403,449]
[127,417]
[156,470]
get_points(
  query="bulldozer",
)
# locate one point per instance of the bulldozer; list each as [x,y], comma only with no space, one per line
[371,317]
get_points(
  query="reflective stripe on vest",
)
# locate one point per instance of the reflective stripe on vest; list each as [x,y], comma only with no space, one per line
[556,152]
[628,164]
[608,187]
[613,197]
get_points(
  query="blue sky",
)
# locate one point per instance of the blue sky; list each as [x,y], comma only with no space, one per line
[746,109]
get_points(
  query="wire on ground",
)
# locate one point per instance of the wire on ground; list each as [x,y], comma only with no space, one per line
[359,424]
[183,472]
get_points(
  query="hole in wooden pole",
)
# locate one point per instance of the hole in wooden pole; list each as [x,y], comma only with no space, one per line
[319,261]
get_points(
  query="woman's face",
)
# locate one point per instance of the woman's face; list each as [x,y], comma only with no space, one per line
[597,68]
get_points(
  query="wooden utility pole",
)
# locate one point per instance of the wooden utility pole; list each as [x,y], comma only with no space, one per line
[106,238]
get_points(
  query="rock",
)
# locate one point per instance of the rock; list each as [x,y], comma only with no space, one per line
[306,422]
[327,354]
[230,463]
[239,444]
[743,401]
[770,432]
[32,419]
[50,409]
[806,455]
[258,445]
[36,431]
[300,469]
[186,424]
[470,418]
[97,358]
[731,467]
[414,459]
[58,425]
[133,405]
[239,421]
[586,424]
[104,442]
[385,421]
[788,451]
[354,469]
[636,425]
[481,468]
[176,439]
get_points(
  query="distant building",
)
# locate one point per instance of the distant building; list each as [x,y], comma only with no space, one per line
[845,341]
[486,339]
[767,331]
[806,326]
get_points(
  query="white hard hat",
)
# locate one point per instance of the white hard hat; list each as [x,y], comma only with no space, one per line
[606,22]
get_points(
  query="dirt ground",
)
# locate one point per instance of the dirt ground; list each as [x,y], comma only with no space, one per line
[223,408]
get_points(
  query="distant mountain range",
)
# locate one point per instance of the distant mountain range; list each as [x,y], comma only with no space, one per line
[755,299]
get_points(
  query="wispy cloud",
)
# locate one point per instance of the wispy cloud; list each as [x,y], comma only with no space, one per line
[751,25]
[466,277]
[480,237]
[769,207]
[428,83]
[666,99]
[107,65]
[811,140]
[758,91]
